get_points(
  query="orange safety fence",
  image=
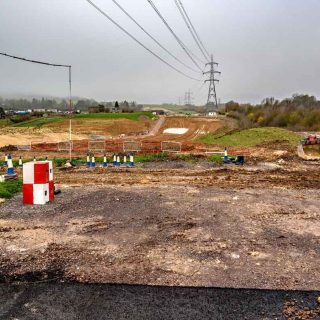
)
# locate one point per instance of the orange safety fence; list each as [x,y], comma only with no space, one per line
[147,146]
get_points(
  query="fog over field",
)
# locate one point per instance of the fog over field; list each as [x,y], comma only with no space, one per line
[265,48]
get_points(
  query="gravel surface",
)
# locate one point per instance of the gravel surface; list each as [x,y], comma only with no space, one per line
[166,235]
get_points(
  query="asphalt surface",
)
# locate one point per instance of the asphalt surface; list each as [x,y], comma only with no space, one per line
[80,301]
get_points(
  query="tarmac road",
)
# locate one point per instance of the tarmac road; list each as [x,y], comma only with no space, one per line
[80,301]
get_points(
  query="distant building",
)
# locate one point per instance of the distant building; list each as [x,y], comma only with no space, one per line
[96,109]
[52,110]
[158,112]
[116,108]
[22,112]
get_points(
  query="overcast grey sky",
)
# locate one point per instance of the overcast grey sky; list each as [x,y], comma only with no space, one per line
[264,47]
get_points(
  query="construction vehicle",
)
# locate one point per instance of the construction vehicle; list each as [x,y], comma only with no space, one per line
[311,139]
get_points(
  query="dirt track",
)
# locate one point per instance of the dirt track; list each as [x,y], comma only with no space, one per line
[250,228]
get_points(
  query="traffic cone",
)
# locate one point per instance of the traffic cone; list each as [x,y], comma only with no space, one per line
[20,162]
[125,161]
[93,162]
[105,163]
[114,163]
[10,169]
[118,161]
[131,163]
[88,160]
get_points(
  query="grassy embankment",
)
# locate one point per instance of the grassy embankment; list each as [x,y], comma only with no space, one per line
[4,122]
[9,188]
[39,122]
[251,137]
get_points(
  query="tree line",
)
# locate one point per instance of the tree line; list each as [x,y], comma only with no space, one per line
[62,104]
[298,113]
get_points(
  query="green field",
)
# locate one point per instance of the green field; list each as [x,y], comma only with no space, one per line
[39,122]
[9,188]
[251,137]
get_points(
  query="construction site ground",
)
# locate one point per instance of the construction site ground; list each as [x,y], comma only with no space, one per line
[144,128]
[179,224]
[185,222]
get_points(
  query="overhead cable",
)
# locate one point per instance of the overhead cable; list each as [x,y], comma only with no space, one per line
[35,61]
[194,29]
[183,46]
[152,37]
[70,87]
[139,42]
[190,28]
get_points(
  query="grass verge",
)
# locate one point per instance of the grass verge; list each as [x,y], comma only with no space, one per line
[141,158]
[59,162]
[9,188]
[251,137]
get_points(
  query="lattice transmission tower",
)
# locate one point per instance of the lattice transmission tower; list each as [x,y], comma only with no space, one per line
[212,95]
[188,98]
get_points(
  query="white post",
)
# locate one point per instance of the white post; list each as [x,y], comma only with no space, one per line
[70,109]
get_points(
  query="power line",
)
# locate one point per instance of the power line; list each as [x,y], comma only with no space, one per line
[70,86]
[151,37]
[139,42]
[194,30]
[183,46]
[182,12]
[35,61]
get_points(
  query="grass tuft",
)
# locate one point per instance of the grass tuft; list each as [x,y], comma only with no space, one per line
[9,188]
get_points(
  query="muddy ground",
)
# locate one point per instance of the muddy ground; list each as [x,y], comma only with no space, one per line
[250,227]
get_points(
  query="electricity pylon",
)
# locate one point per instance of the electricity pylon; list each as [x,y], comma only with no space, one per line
[212,95]
[188,98]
